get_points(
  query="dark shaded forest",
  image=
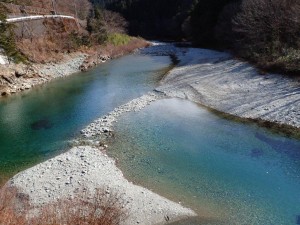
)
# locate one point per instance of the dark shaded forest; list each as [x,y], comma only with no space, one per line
[265,32]
[153,18]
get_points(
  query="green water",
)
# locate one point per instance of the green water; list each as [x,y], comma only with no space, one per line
[229,172]
[38,124]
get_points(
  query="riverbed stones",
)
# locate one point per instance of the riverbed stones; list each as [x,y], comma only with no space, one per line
[90,168]
[104,125]
[20,77]
[217,80]
[20,71]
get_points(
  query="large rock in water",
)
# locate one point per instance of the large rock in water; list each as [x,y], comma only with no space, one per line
[89,168]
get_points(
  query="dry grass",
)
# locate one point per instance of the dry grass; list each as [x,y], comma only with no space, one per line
[40,50]
[58,41]
[115,51]
[9,214]
[50,46]
[102,208]
[69,7]
[110,50]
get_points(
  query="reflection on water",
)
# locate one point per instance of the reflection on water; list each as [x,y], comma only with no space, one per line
[37,124]
[230,173]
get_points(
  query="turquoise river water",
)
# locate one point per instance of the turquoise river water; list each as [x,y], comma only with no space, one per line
[38,124]
[228,172]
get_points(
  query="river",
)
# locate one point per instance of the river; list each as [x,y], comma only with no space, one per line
[229,172]
[37,124]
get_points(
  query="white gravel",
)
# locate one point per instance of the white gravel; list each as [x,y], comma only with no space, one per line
[217,80]
[68,66]
[104,125]
[85,166]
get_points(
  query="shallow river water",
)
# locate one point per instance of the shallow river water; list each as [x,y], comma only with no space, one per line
[228,172]
[37,124]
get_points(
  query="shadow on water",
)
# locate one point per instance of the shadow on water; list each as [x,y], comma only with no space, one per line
[256,153]
[41,124]
[298,220]
[284,146]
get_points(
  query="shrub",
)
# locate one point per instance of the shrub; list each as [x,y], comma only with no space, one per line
[117,39]
[101,208]
[76,40]
[103,23]
[8,213]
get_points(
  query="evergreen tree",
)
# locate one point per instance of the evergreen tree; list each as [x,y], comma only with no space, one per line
[7,39]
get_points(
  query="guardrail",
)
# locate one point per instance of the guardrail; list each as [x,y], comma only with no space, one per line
[26,18]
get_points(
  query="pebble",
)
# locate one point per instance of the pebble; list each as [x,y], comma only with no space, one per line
[104,124]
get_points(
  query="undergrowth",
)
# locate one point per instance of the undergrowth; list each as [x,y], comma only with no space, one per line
[117,39]
[100,208]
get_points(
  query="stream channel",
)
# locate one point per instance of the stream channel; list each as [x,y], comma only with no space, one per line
[227,171]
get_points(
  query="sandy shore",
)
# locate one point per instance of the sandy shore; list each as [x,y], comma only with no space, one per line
[218,81]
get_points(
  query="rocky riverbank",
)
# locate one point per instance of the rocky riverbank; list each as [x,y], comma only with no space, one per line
[19,77]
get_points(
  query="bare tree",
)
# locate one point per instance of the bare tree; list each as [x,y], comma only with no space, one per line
[113,22]
[102,22]
[267,26]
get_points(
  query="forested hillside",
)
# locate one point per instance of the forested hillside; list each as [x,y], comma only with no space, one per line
[50,39]
[154,18]
[265,32]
